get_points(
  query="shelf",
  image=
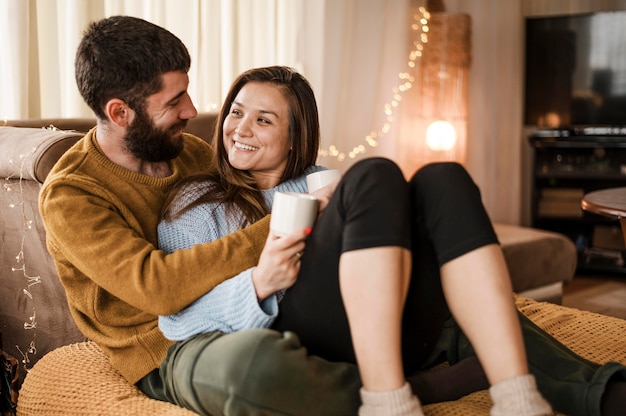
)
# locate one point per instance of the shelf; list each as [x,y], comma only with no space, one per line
[602,260]
[578,141]
[600,269]
[613,176]
[565,168]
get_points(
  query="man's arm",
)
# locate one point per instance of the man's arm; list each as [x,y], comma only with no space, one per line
[90,237]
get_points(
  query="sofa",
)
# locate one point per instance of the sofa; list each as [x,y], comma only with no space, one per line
[61,372]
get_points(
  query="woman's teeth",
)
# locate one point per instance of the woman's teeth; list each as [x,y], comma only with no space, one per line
[245,146]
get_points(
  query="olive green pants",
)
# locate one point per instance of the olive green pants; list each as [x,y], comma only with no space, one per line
[570,383]
[253,372]
[265,372]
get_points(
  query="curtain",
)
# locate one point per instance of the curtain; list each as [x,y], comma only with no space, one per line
[224,37]
[364,53]
[14,58]
[351,51]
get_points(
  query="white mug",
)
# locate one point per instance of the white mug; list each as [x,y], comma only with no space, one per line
[317,180]
[292,211]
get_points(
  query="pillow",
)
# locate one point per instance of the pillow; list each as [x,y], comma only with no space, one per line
[30,153]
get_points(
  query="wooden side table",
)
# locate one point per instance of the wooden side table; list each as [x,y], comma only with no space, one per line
[609,202]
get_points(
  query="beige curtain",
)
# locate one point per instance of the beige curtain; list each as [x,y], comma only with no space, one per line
[351,50]
[224,38]
[14,58]
[364,53]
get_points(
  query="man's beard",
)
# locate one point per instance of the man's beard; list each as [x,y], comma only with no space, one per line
[147,142]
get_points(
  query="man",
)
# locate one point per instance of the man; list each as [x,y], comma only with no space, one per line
[101,205]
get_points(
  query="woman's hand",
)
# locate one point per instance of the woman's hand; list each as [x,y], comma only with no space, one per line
[279,263]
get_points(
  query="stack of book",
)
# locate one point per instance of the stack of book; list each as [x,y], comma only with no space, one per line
[560,202]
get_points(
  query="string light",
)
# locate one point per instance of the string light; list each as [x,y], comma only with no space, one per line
[20,259]
[406,79]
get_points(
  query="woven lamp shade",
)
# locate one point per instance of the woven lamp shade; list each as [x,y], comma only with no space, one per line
[444,66]
[439,92]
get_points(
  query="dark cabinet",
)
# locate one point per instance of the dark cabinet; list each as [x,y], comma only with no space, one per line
[567,165]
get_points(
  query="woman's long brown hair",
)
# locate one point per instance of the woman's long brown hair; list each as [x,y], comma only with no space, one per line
[238,187]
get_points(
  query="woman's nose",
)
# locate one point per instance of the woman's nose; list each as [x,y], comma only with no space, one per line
[243,127]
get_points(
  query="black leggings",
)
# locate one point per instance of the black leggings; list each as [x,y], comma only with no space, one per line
[438,214]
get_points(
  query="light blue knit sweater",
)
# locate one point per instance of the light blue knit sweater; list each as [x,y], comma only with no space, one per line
[232,305]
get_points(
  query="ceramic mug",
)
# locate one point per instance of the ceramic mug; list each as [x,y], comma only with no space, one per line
[317,180]
[292,211]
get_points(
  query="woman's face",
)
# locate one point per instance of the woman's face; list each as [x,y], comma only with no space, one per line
[256,132]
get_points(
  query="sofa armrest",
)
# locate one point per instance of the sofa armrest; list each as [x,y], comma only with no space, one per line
[537,258]
[30,153]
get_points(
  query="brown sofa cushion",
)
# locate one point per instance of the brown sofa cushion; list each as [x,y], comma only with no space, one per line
[202,126]
[536,257]
[30,153]
[78,124]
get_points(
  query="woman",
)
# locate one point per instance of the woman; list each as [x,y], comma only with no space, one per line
[381,267]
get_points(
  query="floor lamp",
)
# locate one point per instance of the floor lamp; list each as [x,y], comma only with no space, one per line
[435,115]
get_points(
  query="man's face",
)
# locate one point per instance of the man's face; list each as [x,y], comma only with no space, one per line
[155,133]
[147,142]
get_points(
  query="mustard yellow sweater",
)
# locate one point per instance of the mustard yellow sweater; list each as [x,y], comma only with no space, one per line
[101,221]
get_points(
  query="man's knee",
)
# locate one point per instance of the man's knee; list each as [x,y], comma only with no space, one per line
[233,359]
[209,371]
[243,372]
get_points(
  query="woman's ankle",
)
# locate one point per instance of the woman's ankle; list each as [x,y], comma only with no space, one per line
[518,396]
[399,402]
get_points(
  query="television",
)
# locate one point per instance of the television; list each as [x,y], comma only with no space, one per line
[575,72]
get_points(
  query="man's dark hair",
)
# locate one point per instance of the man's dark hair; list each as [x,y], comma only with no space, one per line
[125,57]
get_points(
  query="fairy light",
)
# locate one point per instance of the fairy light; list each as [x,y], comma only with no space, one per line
[16,187]
[405,83]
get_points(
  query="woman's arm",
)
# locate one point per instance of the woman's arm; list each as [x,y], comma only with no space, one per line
[229,307]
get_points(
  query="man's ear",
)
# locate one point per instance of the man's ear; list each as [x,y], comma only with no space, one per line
[118,112]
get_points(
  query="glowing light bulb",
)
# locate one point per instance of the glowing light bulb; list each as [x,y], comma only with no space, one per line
[440,136]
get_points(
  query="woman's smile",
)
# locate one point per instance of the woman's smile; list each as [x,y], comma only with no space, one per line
[243,146]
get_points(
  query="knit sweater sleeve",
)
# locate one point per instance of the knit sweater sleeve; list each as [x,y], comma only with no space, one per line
[231,306]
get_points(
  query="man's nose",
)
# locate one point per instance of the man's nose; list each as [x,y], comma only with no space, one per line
[189,110]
